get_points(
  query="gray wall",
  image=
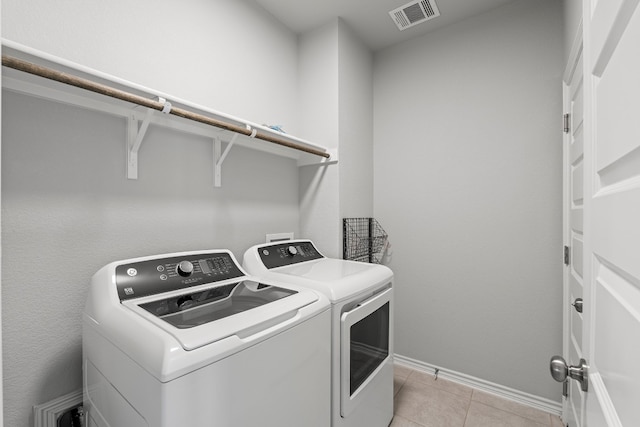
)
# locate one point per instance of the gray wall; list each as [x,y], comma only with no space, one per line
[336,89]
[355,104]
[319,118]
[468,183]
[67,208]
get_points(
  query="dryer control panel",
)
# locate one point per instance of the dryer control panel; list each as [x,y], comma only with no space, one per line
[156,276]
[282,254]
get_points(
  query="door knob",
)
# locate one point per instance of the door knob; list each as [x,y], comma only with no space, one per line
[560,371]
[577,304]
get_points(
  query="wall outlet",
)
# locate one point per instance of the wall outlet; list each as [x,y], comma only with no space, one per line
[278,237]
[72,418]
[51,414]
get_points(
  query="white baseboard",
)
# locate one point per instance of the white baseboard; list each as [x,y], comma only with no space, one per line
[521,397]
[47,414]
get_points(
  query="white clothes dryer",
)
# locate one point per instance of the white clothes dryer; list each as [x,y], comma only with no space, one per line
[189,339]
[361,296]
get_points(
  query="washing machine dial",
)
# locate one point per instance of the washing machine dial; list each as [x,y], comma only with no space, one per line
[292,250]
[184,268]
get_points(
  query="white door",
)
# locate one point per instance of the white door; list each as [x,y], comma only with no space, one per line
[611,336]
[573,404]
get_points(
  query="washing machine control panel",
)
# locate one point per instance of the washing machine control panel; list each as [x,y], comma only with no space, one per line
[151,277]
[282,254]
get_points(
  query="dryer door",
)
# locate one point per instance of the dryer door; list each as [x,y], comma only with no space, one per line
[365,345]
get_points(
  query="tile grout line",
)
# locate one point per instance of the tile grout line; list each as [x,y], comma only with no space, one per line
[466,416]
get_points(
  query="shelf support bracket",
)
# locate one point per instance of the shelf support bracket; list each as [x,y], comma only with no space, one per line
[219,156]
[135,135]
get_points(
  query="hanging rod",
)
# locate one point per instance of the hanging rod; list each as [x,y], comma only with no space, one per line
[48,73]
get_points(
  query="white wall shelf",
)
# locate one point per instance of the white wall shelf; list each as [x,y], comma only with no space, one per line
[139,118]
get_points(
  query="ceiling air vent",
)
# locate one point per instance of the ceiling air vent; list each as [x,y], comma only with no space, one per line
[414,13]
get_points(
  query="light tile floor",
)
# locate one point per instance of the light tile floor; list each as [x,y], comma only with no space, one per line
[422,401]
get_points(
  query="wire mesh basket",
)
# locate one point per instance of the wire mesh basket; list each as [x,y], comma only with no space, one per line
[363,240]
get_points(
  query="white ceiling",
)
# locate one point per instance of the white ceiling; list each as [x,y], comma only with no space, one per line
[370,19]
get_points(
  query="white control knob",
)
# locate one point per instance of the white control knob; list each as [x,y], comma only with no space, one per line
[292,250]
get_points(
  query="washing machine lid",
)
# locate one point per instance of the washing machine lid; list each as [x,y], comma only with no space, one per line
[206,315]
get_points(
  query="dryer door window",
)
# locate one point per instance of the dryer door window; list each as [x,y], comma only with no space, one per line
[369,346]
[365,339]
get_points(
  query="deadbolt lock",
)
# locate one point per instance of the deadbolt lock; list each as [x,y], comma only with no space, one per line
[577,304]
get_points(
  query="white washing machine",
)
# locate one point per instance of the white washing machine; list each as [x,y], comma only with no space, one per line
[188,339]
[361,295]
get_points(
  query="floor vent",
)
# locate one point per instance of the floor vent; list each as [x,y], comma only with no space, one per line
[61,412]
[414,13]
